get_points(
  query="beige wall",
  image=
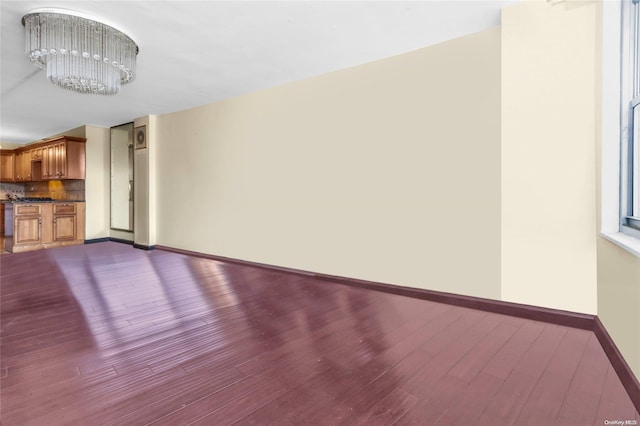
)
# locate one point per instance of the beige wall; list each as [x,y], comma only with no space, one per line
[548,155]
[388,171]
[618,269]
[551,174]
[78,132]
[145,185]
[619,299]
[97,182]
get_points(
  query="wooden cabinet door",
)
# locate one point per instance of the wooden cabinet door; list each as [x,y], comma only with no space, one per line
[74,166]
[61,160]
[64,228]
[45,162]
[54,161]
[26,166]
[7,166]
[23,166]
[26,230]
[18,167]
[65,222]
[24,173]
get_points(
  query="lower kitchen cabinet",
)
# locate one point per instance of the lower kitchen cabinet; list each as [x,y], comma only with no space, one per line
[44,225]
[64,228]
[27,224]
[65,222]
[27,230]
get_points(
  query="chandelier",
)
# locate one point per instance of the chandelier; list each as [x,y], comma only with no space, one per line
[79,53]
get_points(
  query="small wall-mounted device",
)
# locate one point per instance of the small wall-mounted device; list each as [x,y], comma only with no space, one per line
[140,136]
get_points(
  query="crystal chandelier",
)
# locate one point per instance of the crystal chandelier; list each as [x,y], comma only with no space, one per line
[79,52]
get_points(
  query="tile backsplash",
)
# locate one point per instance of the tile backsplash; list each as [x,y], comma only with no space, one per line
[12,189]
[67,190]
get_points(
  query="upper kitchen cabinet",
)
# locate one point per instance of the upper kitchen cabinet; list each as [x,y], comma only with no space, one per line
[56,159]
[22,166]
[63,158]
[7,165]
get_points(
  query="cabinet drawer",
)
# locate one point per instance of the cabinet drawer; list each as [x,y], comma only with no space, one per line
[25,209]
[64,208]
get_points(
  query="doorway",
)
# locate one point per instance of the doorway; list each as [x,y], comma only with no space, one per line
[122,194]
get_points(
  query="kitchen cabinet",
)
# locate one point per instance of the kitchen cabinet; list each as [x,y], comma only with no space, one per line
[7,165]
[47,162]
[23,166]
[27,226]
[55,159]
[44,225]
[64,159]
[27,230]
[36,154]
[18,167]
[65,222]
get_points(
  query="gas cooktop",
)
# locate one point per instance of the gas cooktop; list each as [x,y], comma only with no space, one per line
[34,199]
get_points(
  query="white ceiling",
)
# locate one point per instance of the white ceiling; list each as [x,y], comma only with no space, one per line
[197,52]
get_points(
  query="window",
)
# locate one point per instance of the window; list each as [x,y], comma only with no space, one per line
[630,119]
[619,63]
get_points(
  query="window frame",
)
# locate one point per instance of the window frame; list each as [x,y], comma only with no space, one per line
[611,190]
[630,118]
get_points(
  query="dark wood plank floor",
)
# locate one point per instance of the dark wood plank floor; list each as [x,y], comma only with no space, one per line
[107,334]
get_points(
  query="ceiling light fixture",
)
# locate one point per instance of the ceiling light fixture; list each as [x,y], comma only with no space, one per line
[79,52]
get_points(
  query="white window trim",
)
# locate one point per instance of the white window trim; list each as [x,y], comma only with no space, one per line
[610,179]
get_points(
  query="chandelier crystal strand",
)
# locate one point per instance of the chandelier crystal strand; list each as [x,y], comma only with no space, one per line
[79,53]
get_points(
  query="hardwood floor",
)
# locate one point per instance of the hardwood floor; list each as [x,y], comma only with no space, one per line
[108,334]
